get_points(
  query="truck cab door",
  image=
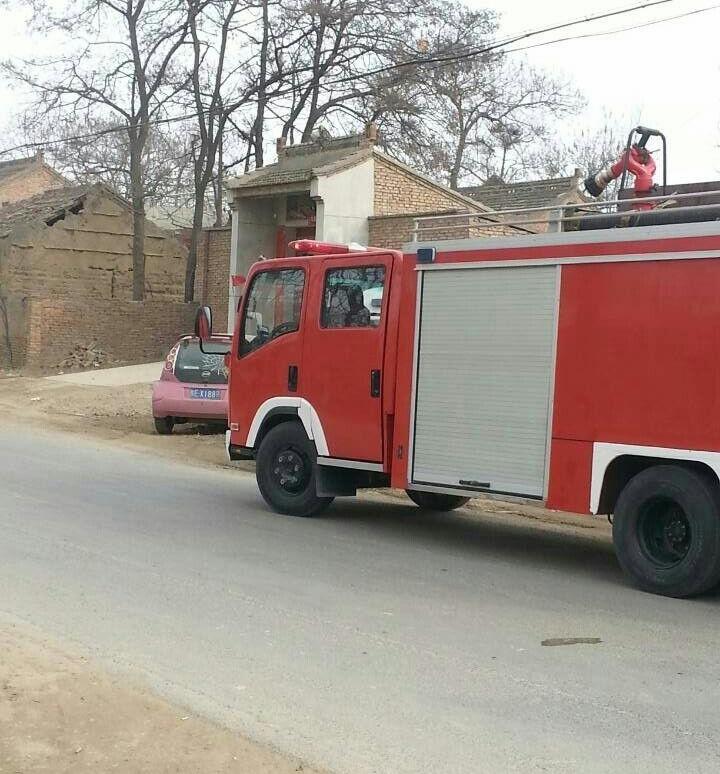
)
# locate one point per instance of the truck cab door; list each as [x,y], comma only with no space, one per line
[343,353]
[268,350]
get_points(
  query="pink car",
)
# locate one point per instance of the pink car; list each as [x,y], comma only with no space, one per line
[191,388]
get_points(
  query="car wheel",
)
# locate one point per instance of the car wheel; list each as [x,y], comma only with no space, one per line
[164,425]
[666,531]
[434,501]
[285,471]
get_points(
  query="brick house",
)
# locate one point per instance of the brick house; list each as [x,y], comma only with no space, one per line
[66,277]
[22,178]
[552,192]
[338,190]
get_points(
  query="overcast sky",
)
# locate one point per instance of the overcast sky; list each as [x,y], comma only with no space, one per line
[665,76]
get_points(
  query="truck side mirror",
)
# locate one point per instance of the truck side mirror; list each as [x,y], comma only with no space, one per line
[203,323]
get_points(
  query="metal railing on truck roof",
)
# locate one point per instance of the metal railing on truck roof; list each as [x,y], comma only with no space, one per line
[583,216]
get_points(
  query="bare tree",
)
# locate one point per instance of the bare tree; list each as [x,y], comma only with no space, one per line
[119,57]
[223,82]
[166,158]
[6,327]
[590,150]
[332,50]
[479,110]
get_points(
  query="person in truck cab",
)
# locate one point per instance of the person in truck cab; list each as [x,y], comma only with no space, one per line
[359,314]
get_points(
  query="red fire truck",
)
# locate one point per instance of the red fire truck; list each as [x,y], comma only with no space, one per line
[578,367]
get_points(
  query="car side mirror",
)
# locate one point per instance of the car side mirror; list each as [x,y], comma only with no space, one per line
[203,323]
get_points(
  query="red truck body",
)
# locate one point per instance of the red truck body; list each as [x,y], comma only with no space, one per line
[555,367]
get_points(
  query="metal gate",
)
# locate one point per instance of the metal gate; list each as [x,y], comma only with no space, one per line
[485,364]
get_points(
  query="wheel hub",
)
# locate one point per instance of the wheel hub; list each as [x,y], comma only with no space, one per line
[665,533]
[291,470]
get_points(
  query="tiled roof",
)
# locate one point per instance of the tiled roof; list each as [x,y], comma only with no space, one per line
[47,207]
[295,168]
[531,193]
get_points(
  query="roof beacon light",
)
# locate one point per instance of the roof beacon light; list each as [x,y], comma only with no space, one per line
[311,247]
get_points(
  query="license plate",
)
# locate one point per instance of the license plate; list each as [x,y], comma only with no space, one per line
[202,394]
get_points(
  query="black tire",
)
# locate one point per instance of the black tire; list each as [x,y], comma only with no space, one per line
[666,531]
[434,501]
[164,425]
[285,471]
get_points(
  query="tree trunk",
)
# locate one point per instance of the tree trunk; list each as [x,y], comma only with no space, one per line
[456,168]
[197,226]
[138,205]
[219,182]
[6,329]
[258,129]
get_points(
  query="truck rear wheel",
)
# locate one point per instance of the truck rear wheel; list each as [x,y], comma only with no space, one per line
[285,471]
[434,501]
[666,531]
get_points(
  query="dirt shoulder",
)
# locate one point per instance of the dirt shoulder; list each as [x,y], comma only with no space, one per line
[59,713]
[120,413]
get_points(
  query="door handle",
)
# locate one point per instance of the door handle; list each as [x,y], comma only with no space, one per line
[292,378]
[375,383]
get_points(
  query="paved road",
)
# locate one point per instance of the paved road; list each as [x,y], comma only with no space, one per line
[374,639]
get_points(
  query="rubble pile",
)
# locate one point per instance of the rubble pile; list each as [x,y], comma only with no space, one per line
[84,356]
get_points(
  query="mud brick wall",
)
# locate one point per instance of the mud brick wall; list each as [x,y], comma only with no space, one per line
[89,255]
[127,331]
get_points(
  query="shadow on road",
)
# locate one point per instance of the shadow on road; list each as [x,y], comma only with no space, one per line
[477,535]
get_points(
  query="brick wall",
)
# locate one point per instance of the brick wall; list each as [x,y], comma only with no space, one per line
[34,180]
[17,319]
[392,231]
[128,331]
[213,271]
[398,191]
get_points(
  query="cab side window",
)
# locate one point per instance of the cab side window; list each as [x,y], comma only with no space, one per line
[353,297]
[274,303]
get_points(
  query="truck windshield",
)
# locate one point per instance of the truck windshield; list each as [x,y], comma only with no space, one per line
[193,365]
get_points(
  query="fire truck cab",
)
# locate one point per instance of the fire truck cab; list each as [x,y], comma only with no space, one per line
[577,368]
[311,398]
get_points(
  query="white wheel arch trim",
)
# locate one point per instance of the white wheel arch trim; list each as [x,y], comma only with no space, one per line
[605,453]
[306,413]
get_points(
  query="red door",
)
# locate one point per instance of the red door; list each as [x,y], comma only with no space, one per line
[343,353]
[269,350]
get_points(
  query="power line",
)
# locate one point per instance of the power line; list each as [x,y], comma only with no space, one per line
[615,31]
[506,42]
[422,61]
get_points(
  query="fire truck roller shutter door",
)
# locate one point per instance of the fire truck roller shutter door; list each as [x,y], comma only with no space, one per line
[485,378]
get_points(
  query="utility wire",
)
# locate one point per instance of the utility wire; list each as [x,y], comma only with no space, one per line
[615,31]
[422,60]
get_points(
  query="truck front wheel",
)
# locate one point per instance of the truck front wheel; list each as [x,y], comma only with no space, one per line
[285,471]
[666,531]
[434,501]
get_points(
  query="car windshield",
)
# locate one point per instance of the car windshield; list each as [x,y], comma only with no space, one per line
[193,365]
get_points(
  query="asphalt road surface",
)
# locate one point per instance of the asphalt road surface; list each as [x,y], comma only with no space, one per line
[372,639]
